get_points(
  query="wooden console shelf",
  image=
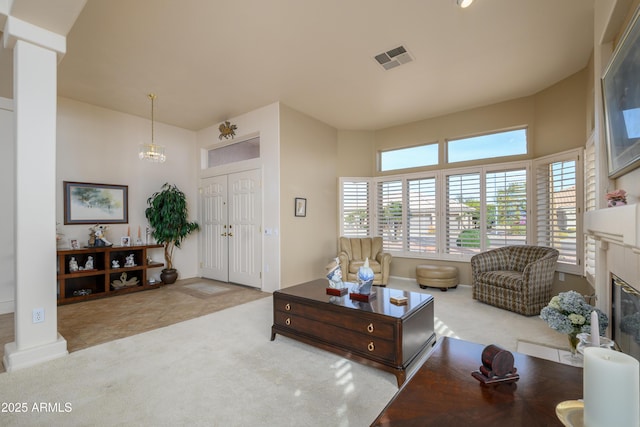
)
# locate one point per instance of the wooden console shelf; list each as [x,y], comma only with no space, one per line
[86,284]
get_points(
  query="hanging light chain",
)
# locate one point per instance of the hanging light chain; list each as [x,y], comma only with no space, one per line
[152,97]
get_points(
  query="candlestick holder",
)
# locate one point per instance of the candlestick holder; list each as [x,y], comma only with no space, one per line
[585,341]
[571,413]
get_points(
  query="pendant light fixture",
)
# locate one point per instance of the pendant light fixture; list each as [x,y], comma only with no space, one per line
[464,3]
[152,152]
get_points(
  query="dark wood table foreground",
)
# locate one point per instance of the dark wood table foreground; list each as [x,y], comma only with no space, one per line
[442,392]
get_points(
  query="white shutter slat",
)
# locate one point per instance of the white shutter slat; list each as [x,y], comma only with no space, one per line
[421,215]
[356,214]
[556,206]
[462,214]
[590,205]
[506,193]
[390,215]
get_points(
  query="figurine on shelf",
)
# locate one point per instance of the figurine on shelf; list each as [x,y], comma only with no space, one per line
[73,265]
[115,264]
[129,261]
[124,282]
[97,236]
[334,274]
[89,264]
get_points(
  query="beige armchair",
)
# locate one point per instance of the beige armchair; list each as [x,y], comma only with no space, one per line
[354,251]
[516,278]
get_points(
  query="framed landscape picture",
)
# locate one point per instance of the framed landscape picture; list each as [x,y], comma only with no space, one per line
[621,95]
[87,203]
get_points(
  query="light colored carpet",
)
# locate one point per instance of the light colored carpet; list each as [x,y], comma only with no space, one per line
[222,370]
[458,315]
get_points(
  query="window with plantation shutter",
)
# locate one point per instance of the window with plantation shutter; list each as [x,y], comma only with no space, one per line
[590,205]
[463,214]
[453,214]
[506,207]
[355,207]
[421,215]
[390,217]
[557,208]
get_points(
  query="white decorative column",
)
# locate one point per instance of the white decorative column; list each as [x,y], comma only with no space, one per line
[35,55]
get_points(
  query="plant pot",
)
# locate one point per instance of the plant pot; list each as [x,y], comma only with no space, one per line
[169,276]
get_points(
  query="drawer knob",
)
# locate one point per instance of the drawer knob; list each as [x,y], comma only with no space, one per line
[288,321]
[371,347]
[370,328]
[287,306]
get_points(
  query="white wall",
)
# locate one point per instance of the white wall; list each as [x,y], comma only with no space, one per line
[7,193]
[101,146]
[265,122]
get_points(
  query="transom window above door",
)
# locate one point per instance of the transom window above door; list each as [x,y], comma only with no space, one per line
[243,150]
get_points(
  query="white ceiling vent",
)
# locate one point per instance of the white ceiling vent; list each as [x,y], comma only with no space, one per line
[393,58]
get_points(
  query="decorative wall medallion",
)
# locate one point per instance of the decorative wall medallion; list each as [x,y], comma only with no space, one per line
[227,130]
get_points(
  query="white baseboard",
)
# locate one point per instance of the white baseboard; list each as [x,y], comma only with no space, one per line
[15,359]
[403,279]
[7,307]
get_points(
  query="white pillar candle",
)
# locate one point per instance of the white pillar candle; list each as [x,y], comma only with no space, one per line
[595,330]
[611,388]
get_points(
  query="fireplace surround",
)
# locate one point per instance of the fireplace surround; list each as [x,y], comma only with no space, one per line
[617,233]
[625,316]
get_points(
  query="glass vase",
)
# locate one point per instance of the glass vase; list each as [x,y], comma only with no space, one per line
[573,344]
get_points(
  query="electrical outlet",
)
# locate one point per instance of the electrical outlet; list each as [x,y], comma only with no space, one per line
[38,315]
[561,276]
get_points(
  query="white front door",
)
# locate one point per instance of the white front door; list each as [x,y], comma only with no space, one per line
[231,228]
[215,253]
[245,232]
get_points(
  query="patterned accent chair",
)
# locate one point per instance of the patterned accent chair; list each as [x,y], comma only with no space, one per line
[516,278]
[354,251]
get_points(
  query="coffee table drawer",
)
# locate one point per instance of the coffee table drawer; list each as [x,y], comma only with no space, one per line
[353,321]
[370,346]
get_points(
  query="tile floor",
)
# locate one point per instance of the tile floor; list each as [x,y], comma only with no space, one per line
[549,353]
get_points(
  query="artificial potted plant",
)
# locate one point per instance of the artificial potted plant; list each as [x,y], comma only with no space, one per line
[167,215]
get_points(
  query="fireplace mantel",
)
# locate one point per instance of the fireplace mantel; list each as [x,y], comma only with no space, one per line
[620,225]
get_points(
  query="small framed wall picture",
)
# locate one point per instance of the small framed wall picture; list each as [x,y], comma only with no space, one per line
[125,241]
[74,244]
[301,207]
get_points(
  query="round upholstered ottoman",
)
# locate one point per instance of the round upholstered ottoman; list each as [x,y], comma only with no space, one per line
[437,276]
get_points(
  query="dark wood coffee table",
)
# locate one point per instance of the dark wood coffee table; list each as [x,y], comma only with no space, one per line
[442,392]
[377,333]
